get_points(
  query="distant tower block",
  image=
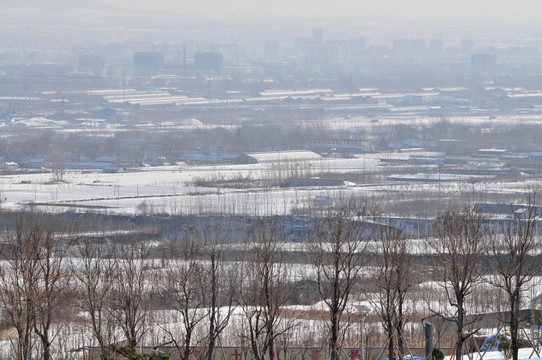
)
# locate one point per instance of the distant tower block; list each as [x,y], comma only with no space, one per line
[209,61]
[318,35]
[149,60]
[271,50]
[435,48]
[467,47]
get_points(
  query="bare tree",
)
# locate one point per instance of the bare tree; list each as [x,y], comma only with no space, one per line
[338,244]
[184,291]
[35,283]
[264,292]
[221,294]
[52,290]
[392,280]
[512,252]
[17,277]
[57,160]
[458,247]
[94,274]
[129,298]
[221,278]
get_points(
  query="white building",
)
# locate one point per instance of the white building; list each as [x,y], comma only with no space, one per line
[277,157]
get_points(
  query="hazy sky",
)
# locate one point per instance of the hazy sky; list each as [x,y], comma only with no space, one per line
[482,10]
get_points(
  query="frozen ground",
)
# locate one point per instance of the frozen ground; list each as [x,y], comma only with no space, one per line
[170,189]
[526,353]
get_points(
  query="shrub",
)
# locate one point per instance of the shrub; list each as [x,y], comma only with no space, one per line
[437,354]
[130,353]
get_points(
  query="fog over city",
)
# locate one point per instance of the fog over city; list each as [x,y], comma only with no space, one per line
[256,180]
[482,10]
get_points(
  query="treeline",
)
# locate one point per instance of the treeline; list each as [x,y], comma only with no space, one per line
[171,145]
[197,294]
[136,146]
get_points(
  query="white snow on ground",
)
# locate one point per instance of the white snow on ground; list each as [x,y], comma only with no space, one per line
[170,189]
[526,353]
[167,188]
[361,122]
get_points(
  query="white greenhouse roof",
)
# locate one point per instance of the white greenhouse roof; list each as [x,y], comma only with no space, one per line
[296,155]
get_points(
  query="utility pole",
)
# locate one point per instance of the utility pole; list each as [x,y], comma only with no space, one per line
[363,312]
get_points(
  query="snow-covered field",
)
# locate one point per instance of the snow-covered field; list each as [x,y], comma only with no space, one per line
[170,189]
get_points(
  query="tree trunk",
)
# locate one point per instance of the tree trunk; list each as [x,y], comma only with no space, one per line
[514,324]
[334,336]
[400,325]
[391,354]
[400,342]
[271,350]
[186,350]
[212,317]
[211,345]
[459,340]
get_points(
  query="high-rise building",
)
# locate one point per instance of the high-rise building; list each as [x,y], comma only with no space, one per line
[92,61]
[417,48]
[209,61]
[467,47]
[401,48]
[148,60]
[318,36]
[271,50]
[435,48]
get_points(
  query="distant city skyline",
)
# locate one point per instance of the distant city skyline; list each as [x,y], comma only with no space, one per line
[458,10]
